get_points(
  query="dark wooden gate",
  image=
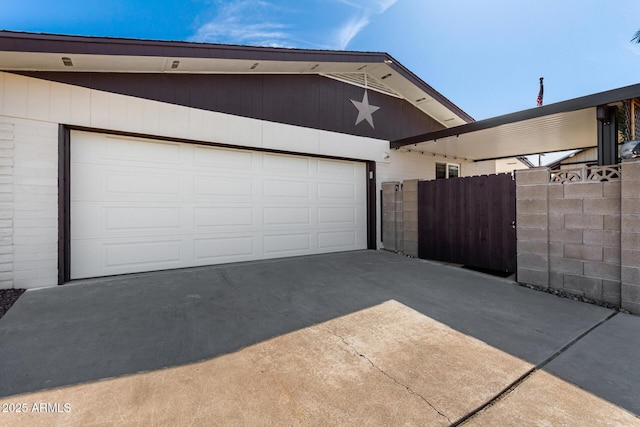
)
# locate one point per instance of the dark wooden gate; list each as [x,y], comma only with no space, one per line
[469,221]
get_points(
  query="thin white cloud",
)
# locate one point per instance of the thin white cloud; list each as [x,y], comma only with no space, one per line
[265,23]
[373,6]
[365,9]
[349,30]
[245,22]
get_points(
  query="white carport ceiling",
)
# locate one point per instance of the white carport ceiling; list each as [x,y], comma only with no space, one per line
[555,132]
[560,126]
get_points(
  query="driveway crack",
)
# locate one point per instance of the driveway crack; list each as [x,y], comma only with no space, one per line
[514,385]
[395,380]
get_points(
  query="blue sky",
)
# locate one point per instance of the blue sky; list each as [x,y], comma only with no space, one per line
[486,56]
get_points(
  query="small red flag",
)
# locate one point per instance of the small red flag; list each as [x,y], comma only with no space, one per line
[541,93]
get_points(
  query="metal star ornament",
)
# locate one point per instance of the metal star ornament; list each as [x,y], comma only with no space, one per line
[365,110]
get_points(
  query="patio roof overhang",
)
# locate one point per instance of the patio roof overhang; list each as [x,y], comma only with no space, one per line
[566,125]
[377,71]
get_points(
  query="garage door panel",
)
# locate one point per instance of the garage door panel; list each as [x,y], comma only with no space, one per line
[287,243]
[345,215]
[333,169]
[143,253]
[286,216]
[85,185]
[198,205]
[95,222]
[285,165]
[105,257]
[145,152]
[217,249]
[332,190]
[207,217]
[337,239]
[285,189]
[207,186]
[222,158]
[142,183]
[93,150]
[136,218]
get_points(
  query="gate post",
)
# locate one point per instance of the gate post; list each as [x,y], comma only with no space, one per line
[410,217]
[392,216]
[532,226]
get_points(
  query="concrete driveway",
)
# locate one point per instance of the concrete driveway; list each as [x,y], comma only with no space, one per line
[366,337]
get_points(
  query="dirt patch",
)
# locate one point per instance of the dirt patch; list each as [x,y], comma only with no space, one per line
[7,298]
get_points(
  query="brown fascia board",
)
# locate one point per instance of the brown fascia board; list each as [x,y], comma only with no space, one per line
[588,101]
[90,45]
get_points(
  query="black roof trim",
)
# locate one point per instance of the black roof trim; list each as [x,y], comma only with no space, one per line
[96,45]
[91,45]
[430,90]
[589,101]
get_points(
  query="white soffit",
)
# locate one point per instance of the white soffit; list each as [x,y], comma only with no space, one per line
[555,132]
[363,80]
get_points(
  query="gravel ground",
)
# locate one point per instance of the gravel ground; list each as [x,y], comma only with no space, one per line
[7,298]
[562,294]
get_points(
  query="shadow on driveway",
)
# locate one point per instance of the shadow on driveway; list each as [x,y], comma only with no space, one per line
[102,328]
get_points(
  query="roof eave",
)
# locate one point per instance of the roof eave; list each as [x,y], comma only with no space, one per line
[11,41]
[589,101]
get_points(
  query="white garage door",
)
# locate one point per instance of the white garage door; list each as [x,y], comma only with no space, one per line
[142,205]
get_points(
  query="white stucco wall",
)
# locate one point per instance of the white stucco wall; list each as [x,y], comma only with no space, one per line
[31,109]
[490,167]
[414,165]
[30,112]
[509,165]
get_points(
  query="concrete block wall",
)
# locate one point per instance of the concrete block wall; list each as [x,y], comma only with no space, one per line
[630,242]
[400,216]
[410,217]
[584,239]
[581,237]
[392,216]
[532,226]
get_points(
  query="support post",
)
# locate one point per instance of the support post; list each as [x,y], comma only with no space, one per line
[607,135]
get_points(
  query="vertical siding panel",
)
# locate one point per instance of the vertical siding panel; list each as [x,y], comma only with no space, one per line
[15,96]
[60,103]
[2,78]
[38,99]
[80,106]
[99,109]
